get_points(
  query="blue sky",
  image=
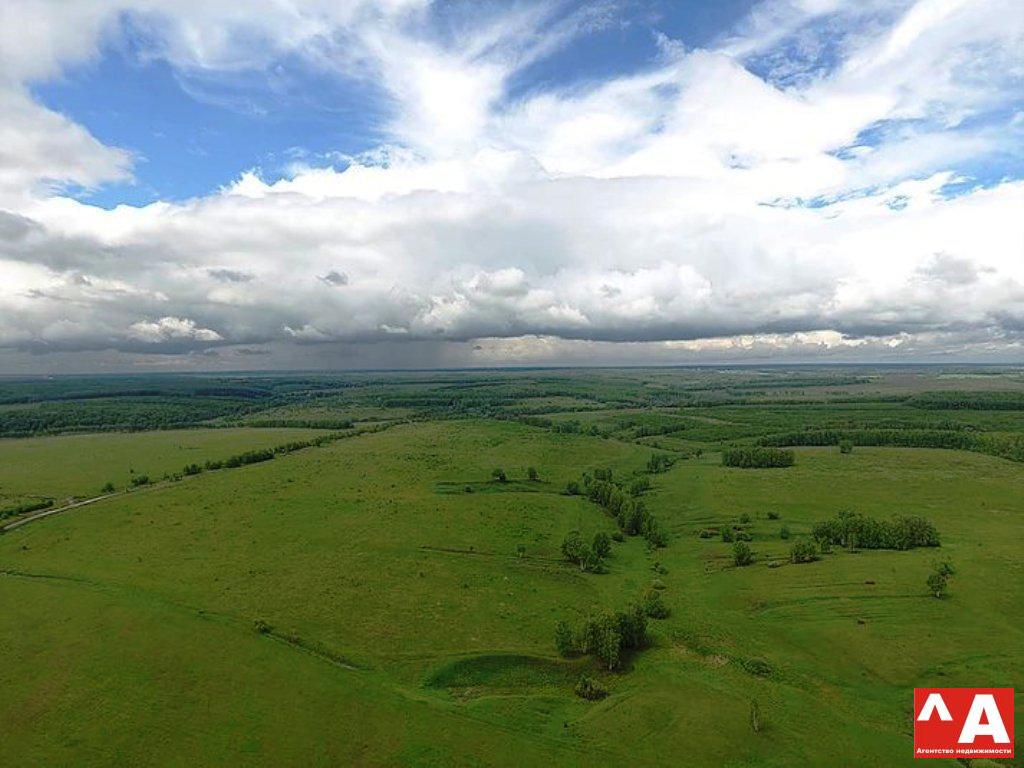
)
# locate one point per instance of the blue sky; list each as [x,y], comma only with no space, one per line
[192,133]
[192,136]
[203,184]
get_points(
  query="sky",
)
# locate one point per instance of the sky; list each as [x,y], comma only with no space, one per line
[340,184]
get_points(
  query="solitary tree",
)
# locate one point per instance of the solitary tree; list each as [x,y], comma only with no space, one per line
[938,580]
[499,474]
[532,473]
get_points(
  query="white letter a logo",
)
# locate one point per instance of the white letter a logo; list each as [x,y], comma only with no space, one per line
[934,703]
[984,703]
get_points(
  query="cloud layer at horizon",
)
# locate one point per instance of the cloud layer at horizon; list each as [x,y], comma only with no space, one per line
[825,180]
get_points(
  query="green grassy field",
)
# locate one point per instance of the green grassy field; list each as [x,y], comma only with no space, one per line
[355,604]
[79,465]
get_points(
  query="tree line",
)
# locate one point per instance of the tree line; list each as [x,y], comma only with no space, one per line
[1004,446]
[973,401]
[629,512]
[264,454]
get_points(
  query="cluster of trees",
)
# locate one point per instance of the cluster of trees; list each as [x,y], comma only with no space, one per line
[757,457]
[24,509]
[852,530]
[589,557]
[630,513]
[607,636]
[660,462]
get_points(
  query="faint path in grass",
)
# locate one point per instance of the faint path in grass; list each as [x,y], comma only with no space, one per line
[313,649]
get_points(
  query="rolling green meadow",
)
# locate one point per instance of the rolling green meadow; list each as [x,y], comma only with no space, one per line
[384,598]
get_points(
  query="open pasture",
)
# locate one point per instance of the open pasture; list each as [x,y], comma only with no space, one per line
[386,600]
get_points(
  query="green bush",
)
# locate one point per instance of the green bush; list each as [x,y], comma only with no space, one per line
[654,604]
[784,532]
[602,545]
[262,627]
[655,532]
[846,446]
[758,667]
[660,462]
[588,688]
[742,554]
[803,551]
